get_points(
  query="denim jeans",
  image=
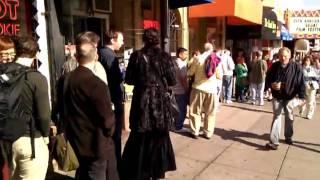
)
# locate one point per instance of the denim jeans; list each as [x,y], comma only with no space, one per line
[256,91]
[182,100]
[278,106]
[227,87]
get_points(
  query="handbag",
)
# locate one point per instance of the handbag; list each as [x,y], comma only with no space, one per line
[244,81]
[64,154]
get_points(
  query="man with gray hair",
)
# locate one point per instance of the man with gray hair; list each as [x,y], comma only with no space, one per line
[286,81]
[257,77]
[203,96]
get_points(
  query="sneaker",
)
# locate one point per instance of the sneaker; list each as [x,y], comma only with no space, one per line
[182,130]
[309,117]
[194,136]
[229,102]
[288,141]
[271,146]
[206,137]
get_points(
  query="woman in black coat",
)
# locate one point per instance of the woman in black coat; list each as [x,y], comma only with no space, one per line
[148,152]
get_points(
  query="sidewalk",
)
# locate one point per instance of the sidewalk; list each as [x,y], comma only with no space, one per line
[237,149]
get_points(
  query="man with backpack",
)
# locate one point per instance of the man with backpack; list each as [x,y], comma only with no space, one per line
[24,114]
[204,92]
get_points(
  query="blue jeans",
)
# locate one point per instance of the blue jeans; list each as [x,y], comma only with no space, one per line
[182,100]
[227,87]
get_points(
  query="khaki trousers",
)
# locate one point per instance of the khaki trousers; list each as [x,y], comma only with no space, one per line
[202,102]
[25,168]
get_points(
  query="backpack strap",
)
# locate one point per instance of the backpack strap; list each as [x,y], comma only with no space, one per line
[32,122]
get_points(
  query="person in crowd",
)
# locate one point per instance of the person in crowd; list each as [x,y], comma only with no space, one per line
[312,84]
[194,55]
[88,115]
[257,77]
[108,59]
[203,96]
[29,153]
[7,54]
[181,88]
[219,76]
[286,81]
[241,71]
[228,66]
[7,49]
[148,153]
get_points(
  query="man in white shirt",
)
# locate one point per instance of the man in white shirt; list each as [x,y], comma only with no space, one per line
[227,64]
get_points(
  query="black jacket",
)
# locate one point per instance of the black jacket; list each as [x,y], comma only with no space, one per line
[89,117]
[291,78]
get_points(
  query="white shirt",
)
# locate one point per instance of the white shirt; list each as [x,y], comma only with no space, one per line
[227,65]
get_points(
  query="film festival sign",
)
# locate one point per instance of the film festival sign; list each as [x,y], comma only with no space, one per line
[10,17]
[305,26]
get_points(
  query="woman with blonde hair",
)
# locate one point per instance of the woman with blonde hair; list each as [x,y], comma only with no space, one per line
[311,84]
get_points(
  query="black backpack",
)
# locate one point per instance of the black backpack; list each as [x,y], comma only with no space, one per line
[15,111]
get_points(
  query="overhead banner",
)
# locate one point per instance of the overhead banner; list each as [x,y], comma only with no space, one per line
[174,4]
[305,24]
[269,24]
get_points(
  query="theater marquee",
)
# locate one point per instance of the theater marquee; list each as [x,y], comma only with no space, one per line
[305,24]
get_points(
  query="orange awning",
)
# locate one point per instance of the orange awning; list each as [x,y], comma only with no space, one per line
[239,12]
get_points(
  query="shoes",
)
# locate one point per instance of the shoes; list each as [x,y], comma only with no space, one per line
[194,136]
[229,102]
[206,137]
[288,141]
[271,146]
[309,117]
[253,102]
[182,130]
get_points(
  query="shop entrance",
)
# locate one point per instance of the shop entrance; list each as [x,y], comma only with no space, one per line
[97,25]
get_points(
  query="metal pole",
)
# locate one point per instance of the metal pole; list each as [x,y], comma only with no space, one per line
[165,26]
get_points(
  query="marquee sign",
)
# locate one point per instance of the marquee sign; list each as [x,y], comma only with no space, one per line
[305,24]
[12,17]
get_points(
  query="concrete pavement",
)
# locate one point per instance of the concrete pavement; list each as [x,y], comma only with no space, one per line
[237,149]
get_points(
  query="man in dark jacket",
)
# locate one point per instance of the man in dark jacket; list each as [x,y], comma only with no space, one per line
[286,81]
[108,59]
[89,118]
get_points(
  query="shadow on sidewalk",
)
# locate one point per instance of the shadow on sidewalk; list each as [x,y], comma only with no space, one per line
[236,135]
[300,144]
[249,109]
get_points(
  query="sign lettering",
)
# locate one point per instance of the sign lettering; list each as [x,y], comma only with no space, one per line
[9,17]
[304,25]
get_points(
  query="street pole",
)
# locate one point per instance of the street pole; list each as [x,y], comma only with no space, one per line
[165,26]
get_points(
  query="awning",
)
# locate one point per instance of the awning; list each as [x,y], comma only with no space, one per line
[174,4]
[238,12]
[285,34]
